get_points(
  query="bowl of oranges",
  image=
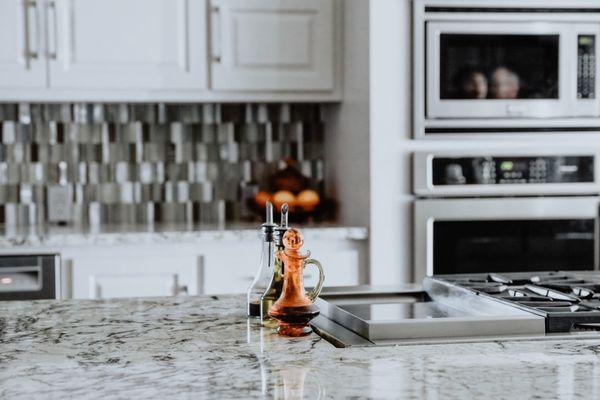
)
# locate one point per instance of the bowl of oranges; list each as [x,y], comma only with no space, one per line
[289,186]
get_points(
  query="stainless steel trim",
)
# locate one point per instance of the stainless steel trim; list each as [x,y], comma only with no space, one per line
[58,277]
[335,292]
[66,278]
[341,337]
[526,208]
[337,335]
[423,176]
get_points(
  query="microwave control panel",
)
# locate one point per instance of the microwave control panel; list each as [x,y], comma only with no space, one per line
[586,66]
[501,170]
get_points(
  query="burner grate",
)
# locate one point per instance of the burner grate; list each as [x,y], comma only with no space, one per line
[568,300]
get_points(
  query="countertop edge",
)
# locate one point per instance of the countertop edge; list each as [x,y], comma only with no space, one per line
[63,237]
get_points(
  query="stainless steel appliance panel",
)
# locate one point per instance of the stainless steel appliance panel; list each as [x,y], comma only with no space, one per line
[30,277]
[506,173]
[516,67]
[571,243]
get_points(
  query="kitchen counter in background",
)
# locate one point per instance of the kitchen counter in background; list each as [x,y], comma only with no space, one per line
[137,234]
[199,347]
[141,261]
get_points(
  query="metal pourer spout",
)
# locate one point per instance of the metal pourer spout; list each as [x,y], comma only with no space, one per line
[284,215]
[283,225]
[269,217]
[268,228]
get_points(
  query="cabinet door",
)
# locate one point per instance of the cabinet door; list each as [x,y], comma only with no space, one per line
[21,61]
[341,269]
[226,271]
[272,44]
[133,271]
[127,44]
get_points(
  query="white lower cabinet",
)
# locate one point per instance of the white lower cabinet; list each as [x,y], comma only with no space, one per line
[230,269]
[145,270]
[341,261]
[133,271]
[227,271]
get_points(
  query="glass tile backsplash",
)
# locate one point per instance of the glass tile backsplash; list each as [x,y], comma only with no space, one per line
[94,164]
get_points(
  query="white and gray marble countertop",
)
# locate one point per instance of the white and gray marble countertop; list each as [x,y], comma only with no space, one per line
[204,347]
[56,236]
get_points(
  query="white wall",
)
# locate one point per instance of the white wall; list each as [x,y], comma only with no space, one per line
[347,137]
[390,126]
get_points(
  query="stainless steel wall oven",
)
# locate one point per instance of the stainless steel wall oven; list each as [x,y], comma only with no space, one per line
[505,212]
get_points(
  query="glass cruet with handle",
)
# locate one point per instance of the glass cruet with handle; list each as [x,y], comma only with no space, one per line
[295,308]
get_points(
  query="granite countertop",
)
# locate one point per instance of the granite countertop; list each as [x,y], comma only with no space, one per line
[44,236]
[204,347]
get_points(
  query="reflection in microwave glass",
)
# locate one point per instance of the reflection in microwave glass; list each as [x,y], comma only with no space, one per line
[502,67]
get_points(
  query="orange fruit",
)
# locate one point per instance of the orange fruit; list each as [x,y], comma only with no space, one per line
[284,196]
[308,199]
[261,198]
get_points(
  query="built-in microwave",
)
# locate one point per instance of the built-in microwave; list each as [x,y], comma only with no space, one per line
[505,67]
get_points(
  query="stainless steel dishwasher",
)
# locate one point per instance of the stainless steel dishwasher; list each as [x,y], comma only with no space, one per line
[30,277]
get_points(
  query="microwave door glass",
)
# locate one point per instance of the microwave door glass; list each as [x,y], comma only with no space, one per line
[499,66]
[513,245]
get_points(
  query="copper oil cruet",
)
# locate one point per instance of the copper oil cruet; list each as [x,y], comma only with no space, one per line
[295,308]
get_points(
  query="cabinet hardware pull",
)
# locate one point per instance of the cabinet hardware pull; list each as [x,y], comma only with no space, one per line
[216,34]
[30,52]
[52,34]
[181,290]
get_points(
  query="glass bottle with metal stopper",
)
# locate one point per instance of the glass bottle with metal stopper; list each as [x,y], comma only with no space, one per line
[265,270]
[275,287]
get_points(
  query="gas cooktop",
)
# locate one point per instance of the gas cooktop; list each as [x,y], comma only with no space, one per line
[567,300]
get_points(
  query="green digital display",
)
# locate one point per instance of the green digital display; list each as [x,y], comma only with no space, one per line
[585,40]
[507,165]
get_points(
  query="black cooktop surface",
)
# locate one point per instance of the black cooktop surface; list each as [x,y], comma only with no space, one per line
[569,300]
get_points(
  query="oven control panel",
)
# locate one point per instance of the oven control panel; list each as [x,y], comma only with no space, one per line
[502,170]
[586,66]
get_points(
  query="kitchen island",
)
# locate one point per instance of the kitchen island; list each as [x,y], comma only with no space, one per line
[199,347]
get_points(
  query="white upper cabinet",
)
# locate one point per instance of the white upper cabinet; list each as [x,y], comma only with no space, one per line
[21,63]
[273,45]
[170,50]
[127,44]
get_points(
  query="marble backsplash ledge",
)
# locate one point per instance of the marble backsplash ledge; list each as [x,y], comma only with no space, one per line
[148,163]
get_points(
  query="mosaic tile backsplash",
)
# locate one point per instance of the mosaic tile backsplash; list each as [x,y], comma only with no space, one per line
[95,164]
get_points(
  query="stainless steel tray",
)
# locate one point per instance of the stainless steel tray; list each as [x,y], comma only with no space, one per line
[437,310]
